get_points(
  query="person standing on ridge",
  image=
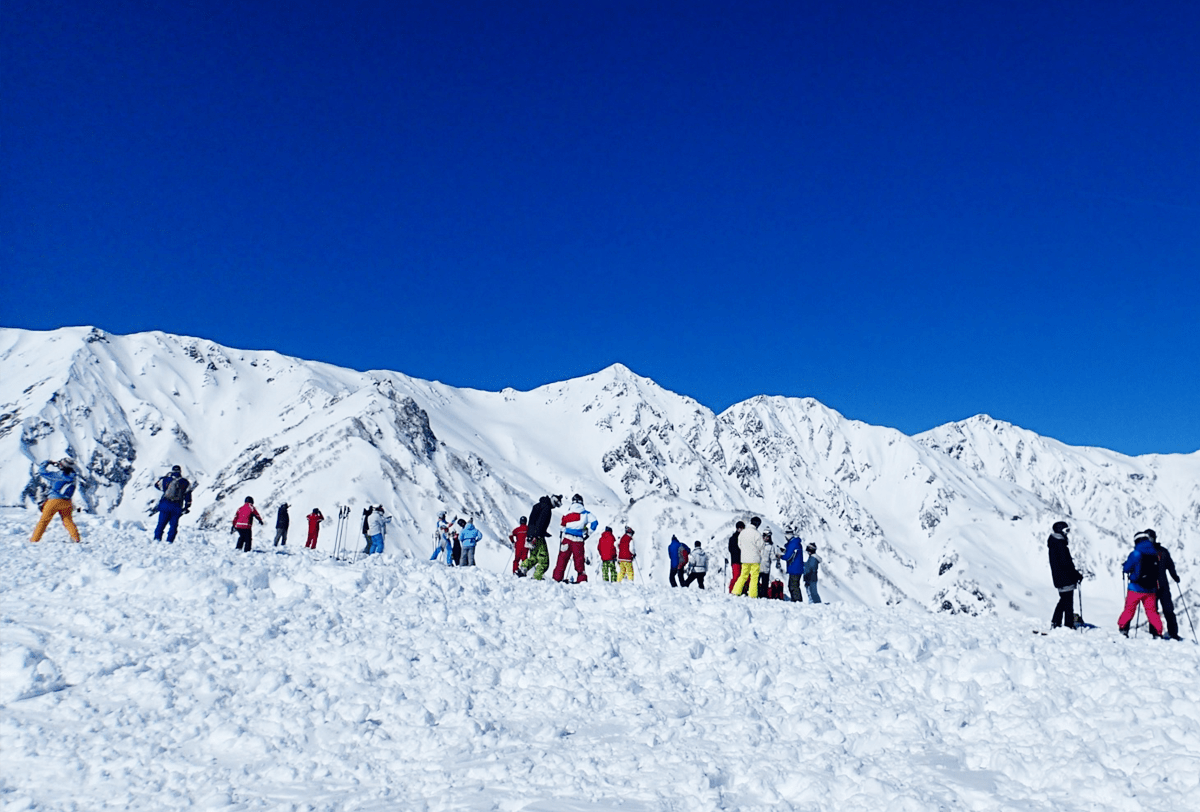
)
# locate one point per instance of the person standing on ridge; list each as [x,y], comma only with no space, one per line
[678,561]
[377,525]
[1166,568]
[366,528]
[697,565]
[176,500]
[539,527]
[735,555]
[314,528]
[793,555]
[243,523]
[517,537]
[750,542]
[577,525]
[469,536]
[441,538]
[607,548]
[1142,568]
[810,572]
[282,520]
[625,555]
[1066,578]
[767,564]
[62,487]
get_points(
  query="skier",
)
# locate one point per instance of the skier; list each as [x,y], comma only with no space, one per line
[314,528]
[577,525]
[441,538]
[282,520]
[793,554]
[735,555]
[62,487]
[176,500]
[678,560]
[469,536]
[810,572]
[539,526]
[750,542]
[766,565]
[625,555]
[1142,568]
[377,527]
[698,566]
[243,522]
[1066,577]
[607,548]
[517,537]
[366,531]
[456,541]
[1166,566]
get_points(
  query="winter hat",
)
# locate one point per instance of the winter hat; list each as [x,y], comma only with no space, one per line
[812,547]
[1060,527]
[697,545]
[607,529]
[766,534]
[740,525]
[175,469]
[556,499]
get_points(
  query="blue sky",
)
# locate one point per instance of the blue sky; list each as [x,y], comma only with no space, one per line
[914,212]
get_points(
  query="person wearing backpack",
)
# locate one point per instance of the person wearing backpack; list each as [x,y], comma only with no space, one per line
[62,487]
[176,500]
[1166,569]
[793,554]
[625,556]
[1142,568]
[243,523]
[698,566]
[314,527]
[678,560]
[282,520]
[1066,578]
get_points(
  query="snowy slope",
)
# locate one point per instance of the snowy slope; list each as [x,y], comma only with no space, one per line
[952,520]
[139,676]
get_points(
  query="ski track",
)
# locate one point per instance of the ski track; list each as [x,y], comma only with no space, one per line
[136,675]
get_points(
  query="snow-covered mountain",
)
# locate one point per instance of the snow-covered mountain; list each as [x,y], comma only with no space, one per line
[954,519]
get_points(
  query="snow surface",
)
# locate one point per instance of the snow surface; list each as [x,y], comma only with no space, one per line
[136,675]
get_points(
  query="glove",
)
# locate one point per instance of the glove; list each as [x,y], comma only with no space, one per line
[587,560]
[187,510]
[1176,577]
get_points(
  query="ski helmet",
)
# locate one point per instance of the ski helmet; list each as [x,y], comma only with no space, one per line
[175,469]
[1061,527]
[524,520]
[249,500]
[697,545]
[1153,536]
[577,498]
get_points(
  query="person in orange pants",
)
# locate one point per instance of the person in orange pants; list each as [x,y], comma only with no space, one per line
[62,488]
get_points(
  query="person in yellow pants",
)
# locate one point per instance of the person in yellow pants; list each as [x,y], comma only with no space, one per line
[62,488]
[750,542]
[625,556]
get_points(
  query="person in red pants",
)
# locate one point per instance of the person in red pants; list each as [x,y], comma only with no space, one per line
[517,537]
[314,527]
[577,525]
[735,555]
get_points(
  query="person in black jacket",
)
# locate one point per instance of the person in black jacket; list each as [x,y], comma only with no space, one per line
[1066,577]
[282,520]
[539,527]
[1166,606]
[735,555]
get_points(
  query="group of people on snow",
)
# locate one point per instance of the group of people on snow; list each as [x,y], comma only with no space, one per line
[754,557]
[1147,588]
[456,539]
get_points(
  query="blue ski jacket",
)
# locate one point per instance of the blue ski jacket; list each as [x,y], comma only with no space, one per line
[62,483]
[1133,564]
[673,550]
[793,554]
[469,536]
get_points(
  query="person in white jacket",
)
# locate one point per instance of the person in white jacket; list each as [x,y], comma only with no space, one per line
[767,561]
[377,528]
[698,564]
[750,542]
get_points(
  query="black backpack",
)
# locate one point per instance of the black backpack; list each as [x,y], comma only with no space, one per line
[1146,574]
[176,491]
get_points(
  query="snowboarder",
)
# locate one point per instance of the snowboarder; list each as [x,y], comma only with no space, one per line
[441,538]
[625,555]
[793,555]
[243,523]
[176,500]
[517,537]
[62,487]
[577,525]
[678,560]
[377,527]
[1142,568]
[314,528]
[697,566]
[282,520]
[750,542]
[607,548]
[810,572]
[735,555]
[539,527]
[1166,567]
[469,536]
[1066,578]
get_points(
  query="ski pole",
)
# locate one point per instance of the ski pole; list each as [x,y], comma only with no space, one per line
[1187,612]
[1080,590]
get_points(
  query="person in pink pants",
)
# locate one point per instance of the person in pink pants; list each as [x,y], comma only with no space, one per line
[1142,569]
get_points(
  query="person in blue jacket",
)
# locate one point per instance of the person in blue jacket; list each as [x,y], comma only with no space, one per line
[1142,568]
[469,536]
[810,572]
[176,500]
[62,487]
[793,556]
[678,560]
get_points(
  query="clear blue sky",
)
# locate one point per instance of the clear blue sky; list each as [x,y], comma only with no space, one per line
[914,212]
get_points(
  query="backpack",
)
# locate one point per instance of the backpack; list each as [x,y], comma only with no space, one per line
[176,491]
[1146,575]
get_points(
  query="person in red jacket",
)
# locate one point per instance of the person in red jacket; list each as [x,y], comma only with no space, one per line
[243,521]
[608,555]
[314,527]
[625,555]
[517,537]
